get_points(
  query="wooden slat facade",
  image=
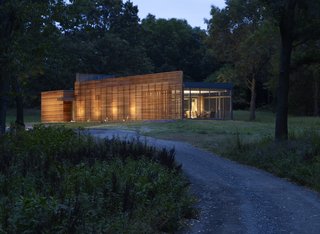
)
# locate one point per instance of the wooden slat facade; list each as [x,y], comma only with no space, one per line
[159,96]
[56,106]
[143,97]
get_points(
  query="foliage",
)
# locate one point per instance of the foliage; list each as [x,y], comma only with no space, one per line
[44,43]
[298,159]
[251,142]
[107,37]
[244,41]
[56,180]
[298,22]
[174,45]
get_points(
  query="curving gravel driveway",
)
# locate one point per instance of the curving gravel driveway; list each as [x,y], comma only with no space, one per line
[234,198]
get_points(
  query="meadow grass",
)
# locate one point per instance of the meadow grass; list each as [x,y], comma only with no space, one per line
[248,142]
[31,116]
[209,134]
[252,143]
[216,135]
[56,180]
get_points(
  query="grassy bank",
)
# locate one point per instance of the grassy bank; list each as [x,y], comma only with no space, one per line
[252,142]
[54,180]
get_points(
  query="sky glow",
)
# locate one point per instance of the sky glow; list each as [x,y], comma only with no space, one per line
[194,11]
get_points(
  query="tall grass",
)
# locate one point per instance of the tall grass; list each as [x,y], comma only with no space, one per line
[253,142]
[298,159]
[56,180]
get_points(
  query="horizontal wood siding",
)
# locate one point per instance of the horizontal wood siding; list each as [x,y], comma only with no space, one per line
[54,108]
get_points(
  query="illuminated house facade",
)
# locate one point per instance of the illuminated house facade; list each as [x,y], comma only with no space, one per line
[159,96]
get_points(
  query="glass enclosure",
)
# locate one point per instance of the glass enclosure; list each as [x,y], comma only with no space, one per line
[207,103]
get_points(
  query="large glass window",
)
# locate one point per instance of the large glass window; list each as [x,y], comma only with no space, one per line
[207,103]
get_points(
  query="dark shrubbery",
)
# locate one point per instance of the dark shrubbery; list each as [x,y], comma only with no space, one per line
[298,159]
[54,180]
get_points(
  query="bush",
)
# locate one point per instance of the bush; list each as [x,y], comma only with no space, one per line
[57,180]
[297,159]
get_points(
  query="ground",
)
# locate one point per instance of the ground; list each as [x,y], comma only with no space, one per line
[234,198]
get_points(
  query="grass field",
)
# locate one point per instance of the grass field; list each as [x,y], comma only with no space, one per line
[239,139]
[217,135]
[213,135]
[248,142]
[252,143]
[30,116]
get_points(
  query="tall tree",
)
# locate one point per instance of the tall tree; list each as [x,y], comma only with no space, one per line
[9,24]
[255,53]
[298,22]
[240,36]
[174,45]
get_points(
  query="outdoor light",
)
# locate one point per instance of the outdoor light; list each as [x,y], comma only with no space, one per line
[143,97]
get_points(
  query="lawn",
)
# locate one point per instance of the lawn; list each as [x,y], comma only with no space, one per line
[214,135]
[252,143]
[217,135]
[31,116]
[240,140]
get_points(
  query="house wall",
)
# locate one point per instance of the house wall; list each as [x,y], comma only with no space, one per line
[144,97]
[56,106]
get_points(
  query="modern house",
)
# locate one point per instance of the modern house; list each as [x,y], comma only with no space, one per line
[157,96]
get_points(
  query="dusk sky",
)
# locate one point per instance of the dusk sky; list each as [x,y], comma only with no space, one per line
[194,11]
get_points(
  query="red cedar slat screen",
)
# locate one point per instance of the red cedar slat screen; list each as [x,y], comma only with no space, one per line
[54,108]
[144,97]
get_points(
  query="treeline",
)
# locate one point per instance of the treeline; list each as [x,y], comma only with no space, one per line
[44,43]
[247,39]
[57,40]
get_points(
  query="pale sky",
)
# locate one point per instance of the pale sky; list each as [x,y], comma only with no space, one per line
[194,11]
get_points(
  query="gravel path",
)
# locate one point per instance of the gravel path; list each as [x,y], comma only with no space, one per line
[234,198]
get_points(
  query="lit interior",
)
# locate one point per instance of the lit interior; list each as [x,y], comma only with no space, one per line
[144,97]
[207,104]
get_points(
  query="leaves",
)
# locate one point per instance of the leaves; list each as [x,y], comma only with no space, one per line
[59,181]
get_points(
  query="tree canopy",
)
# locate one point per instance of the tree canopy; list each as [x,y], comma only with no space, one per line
[268,49]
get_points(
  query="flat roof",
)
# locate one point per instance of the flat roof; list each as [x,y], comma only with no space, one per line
[88,77]
[207,85]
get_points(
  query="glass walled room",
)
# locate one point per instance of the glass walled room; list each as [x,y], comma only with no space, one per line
[207,100]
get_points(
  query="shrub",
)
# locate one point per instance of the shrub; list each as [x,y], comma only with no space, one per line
[57,180]
[298,159]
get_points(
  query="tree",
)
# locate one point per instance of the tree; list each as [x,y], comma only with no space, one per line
[174,45]
[255,53]
[9,25]
[316,87]
[240,35]
[298,22]
[25,28]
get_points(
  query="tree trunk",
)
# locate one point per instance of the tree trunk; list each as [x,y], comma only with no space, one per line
[286,31]
[253,99]
[19,102]
[3,104]
[316,97]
